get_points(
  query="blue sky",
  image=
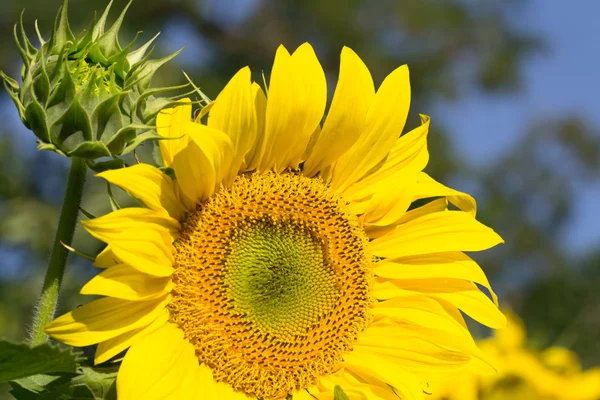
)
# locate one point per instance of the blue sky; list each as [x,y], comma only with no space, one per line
[565,81]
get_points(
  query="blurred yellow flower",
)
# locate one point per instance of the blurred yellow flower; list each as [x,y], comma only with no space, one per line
[285,258]
[553,374]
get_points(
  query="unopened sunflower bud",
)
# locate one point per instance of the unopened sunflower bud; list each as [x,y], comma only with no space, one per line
[87,97]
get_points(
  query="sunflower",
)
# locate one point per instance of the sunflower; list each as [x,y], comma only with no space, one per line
[275,257]
[523,374]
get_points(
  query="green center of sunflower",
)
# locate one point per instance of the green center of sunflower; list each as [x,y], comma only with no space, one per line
[272,283]
[279,277]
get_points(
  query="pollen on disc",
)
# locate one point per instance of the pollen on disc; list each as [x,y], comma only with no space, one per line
[272,283]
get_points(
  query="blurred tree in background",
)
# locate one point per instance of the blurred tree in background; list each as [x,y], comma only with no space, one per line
[527,195]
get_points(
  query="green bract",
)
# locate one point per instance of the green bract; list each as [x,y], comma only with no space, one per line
[87,97]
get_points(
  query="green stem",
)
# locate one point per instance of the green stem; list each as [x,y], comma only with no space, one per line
[44,312]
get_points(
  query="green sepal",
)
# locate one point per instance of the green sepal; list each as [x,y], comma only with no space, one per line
[109,41]
[36,119]
[41,84]
[154,107]
[51,147]
[61,35]
[23,52]
[72,133]
[29,48]
[111,199]
[124,136]
[12,88]
[107,119]
[90,150]
[63,94]
[144,73]
[99,26]
[141,138]
[137,55]
[19,360]
[101,166]
[39,35]
[338,393]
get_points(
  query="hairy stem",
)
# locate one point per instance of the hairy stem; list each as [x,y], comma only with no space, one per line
[44,312]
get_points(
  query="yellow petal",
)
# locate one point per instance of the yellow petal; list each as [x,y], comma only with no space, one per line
[295,106]
[124,282]
[368,366]
[104,319]
[257,149]
[161,365]
[461,294]
[420,311]
[455,265]
[170,124]
[347,115]
[390,201]
[147,183]
[428,187]
[434,233]
[111,347]
[419,355]
[136,237]
[385,120]
[145,250]
[352,386]
[389,334]
[202,165]
[375,231]
[408,156]
[128,218]
[233,112]
[106,258]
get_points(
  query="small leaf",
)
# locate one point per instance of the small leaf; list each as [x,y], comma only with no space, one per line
[36,383]
[338,393]
[100,382]
[49,387]
[20,361]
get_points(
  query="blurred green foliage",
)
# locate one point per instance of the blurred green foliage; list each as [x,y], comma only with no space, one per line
[527,195]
